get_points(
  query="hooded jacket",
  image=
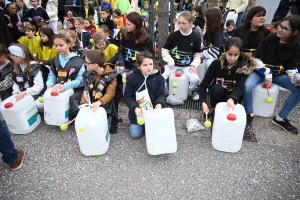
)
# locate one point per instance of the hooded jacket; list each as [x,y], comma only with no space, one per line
[51,8]
[182,6]
[91,84]
[38,12]
[156,90]
[233,80]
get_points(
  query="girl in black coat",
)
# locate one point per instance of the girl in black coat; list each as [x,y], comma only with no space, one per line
[225,77]
[146,76]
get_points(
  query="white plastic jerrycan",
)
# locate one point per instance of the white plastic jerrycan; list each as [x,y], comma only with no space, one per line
[201,70]
[124,76]
[21,116]
[179,85]
[228,128]
[160,131]
[92,131]
[264,100]
[56,106]
[231,15]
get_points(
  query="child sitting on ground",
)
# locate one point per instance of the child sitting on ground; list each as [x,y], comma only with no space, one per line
[146,79]
[30,40]
[110,50]
[100,80]
[88,26]
[66,72]
[230,28]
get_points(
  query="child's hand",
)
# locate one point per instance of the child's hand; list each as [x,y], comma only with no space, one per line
[193,69]
[95,105]
[121,69]
[205,108]
[10,25]
[49,86]
[20,95]
[59,87]
[138,112]
[158,106]
[230,103]
[30,19]
[172,67]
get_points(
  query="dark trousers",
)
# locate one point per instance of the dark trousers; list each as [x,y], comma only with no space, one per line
[7,148]
[218,94]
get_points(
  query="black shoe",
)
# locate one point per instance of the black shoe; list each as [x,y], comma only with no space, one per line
[210,114]
[285,125]
[249,120]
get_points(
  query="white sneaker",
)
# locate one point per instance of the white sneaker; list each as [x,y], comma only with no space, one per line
[194,94]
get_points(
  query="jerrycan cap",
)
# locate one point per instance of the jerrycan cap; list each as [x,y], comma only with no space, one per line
[178,74]
[8,105]
[54,93]
[266,86]
[231,117]
[128,73]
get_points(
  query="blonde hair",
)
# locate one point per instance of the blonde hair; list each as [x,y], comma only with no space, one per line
[79,19]
[72,35]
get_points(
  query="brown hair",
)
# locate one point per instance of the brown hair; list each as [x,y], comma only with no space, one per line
[79,19]
[64,38]
[96,56]
[294,21]
[140,32]
[3,50]
[90,21]
[214,19]
[230,22]
[146,54]
[117,12]
[39,24]
[30,27]
[50,34]
[72,34]
[99,36]
[28,57]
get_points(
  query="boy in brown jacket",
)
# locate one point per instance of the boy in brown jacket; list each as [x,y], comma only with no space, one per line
[100,80]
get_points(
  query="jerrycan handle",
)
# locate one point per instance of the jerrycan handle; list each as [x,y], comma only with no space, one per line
[231,116]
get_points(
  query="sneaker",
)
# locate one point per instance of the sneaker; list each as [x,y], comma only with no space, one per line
[19,162]
[285,125]
[194,94]
[249,120]
[210,114]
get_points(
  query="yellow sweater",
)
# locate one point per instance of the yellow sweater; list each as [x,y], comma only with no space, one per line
[110,51]
[47,53]
[112,2]
[31,43]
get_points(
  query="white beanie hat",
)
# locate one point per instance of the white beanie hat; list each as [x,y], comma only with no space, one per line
[17,51]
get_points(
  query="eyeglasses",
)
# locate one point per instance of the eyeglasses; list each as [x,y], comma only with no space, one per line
[87,63]
[284,29]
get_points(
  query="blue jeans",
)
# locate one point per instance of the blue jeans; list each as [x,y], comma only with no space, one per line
[7,148]
[136,131]
[283,81]
[239,19]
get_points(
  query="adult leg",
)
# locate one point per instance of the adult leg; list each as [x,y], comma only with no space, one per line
[11,156]
[136,131]
[7,148]
[239,19]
